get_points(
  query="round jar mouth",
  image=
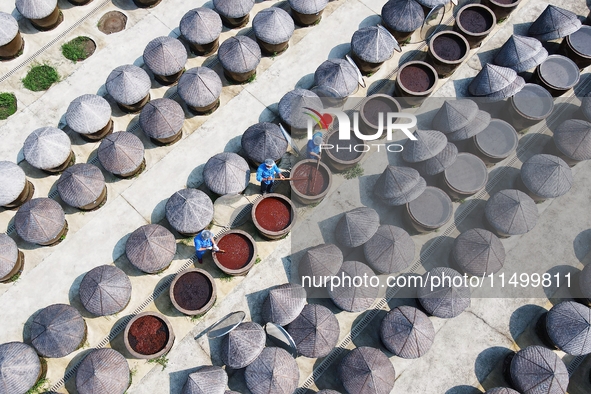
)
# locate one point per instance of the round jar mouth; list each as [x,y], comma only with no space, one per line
[307,176]
[439,40]
[482,11]
[238,252]
[384,101]
[280,211]
[156,342]
[193,292]
[406,76]
[551,65]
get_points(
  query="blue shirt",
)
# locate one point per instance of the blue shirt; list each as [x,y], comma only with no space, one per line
[312,147]
[264,172]
[201,243]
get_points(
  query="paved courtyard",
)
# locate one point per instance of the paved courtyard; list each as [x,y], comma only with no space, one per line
[468,353]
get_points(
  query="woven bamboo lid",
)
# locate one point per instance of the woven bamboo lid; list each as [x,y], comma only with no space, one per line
[239,54]
[337,75]
[150,248]
[315,331]
[242,345]
[403,15]
[308,7]
[273,25]
[501,390]
[201,25]
[199,87]
[226,173]
[293,104]
[233,8]
[396,181]
[407,332]
[373,44]
[165,55]
[440,161]
[428,144]
[81,184]
[162,118]
[8,28]
[103,371]
[357,226]
[128,84]
[283,304]
[547,176]
[12,182]
[478,252]
[20,367]
[480,122]
[492,79]
[206,380]
[88,114]
[105,290]
[39,220]
[521,53]
[274,371]
[538,370]
[554,23]
[320,261]
[121,153]
[57,331]
[568,325]
[573,139]
[263,141]
[446,301]
[8,254]
[349,297]
[366,370]
[454,114]
[36,9]
[390,250]
[47,147]
[511,212]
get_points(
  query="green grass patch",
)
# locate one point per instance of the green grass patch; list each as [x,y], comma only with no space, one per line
[225,277]
[40,387]
[353,172]
[75,50]
[162,361]
[258,260]
[40,77]
[7,105]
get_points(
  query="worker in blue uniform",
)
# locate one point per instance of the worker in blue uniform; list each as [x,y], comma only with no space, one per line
[266,175]
[203,242]
[314,146]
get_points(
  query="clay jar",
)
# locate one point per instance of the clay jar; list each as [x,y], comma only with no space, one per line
[577,47]
[238,254]
[13,48]
[496,142]
[25,196]
[475,22]
[465,177]
[193,292]
[501,8]
[557,74]
[50,22]
[370,110]
[148,335]
[343,154]
[447,50]
[146,3]
[310,181]
[530,106]
[430,211]
[79,2]
[274,215]
[415,81]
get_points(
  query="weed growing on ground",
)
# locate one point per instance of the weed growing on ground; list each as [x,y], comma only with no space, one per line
[225,277]
[14,277]
[353,172]
[162,361]
[7,105]
[195,318]
[40,387]
[258,260]
[75,50]
[40,77]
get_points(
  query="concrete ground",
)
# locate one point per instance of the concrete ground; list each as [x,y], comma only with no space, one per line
[468,351]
